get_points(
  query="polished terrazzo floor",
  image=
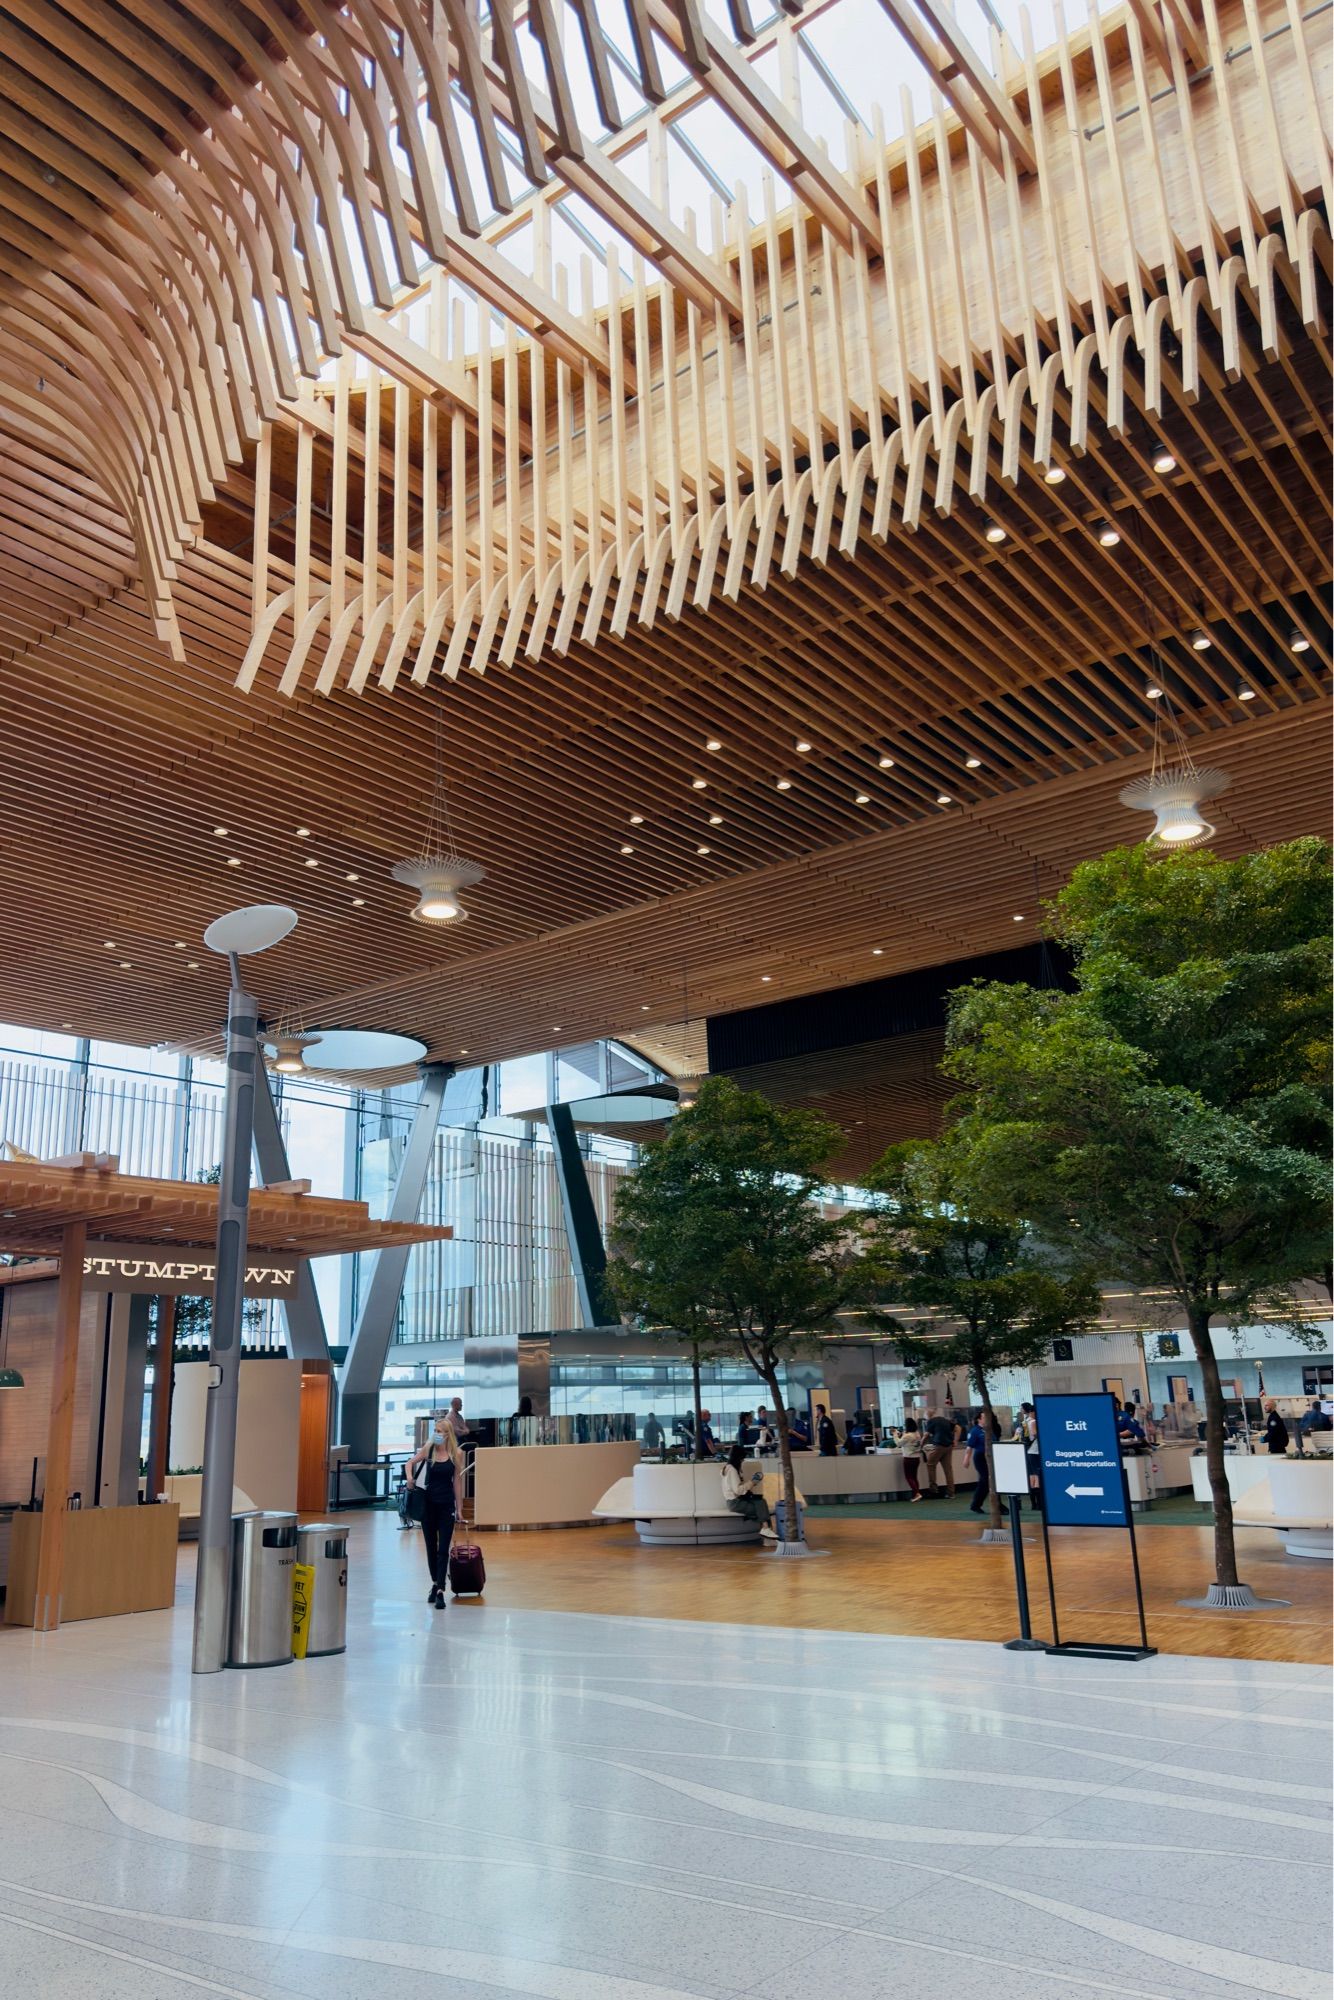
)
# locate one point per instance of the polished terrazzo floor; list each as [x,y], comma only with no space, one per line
[582,1807]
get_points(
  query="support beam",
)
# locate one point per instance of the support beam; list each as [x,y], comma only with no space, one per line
[359,1384]
[159,1418]
[60,1430]
[588,1253]
[963,79]
[306,1336]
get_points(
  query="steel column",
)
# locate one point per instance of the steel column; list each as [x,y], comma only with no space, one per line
[588,1253]
[213,1568]
[306,1337]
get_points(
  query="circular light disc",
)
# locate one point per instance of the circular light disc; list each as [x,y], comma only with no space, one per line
[253,929]
[363,1049]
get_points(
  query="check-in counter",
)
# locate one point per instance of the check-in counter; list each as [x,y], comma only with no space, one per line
[1244,1470]
[546,1485]
[879,1475]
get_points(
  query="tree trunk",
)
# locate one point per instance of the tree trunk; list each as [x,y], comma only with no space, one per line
[791,1527]
[989,1434]
[698,1395]
[1225,1551]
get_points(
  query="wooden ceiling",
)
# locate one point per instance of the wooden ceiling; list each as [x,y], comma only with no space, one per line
[900,565]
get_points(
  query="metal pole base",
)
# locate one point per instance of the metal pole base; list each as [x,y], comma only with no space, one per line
[1025,1646]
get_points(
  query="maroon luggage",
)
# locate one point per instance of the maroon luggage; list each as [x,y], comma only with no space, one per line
[467,1570]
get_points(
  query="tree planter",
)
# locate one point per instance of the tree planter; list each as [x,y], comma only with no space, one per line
[1232,1597]
[794,1551]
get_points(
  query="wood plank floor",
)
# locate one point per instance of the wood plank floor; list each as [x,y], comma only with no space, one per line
[927,1578]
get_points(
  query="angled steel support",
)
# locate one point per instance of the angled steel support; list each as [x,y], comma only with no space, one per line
[588,1253]
[359,1382]
[306,1337]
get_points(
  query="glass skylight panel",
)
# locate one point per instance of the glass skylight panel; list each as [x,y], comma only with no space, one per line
[727,149]
[861,47]
[691,183]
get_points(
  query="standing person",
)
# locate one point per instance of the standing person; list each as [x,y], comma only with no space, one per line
[1276,1431]
[910,1438]
[743,1428]
[706,1444]
[798,1433]
[1026,1434]
[826,1437]
[764,1440]
[941,1439]
[437,1472]
[942,1434]
[654,1436]
[741,1496]
[454,1416]
[976,1442]
[1312,1420]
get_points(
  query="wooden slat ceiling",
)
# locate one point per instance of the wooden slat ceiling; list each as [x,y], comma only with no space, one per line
[876,1093]
[150,510]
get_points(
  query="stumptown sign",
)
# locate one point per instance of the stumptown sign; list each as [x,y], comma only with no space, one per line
[137,1267]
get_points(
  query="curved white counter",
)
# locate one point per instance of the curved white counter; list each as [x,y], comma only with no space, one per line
[1296,1498]
[684,1503]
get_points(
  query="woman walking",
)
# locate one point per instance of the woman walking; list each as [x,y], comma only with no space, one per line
[437,1474]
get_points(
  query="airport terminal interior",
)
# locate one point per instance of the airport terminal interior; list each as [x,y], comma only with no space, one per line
[664,1011]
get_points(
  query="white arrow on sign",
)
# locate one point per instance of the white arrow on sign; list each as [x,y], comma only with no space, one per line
[1084,1492]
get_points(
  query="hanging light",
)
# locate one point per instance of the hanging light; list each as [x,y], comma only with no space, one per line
[437,878]
[289,1052]
[439,871]
[10,1378]
[1175,789]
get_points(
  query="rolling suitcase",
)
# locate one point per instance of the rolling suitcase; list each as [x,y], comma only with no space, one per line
[467,1569]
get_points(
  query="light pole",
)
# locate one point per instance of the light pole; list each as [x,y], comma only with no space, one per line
[239,934]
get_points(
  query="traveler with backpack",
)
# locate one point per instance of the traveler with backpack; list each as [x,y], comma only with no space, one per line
[435,1481]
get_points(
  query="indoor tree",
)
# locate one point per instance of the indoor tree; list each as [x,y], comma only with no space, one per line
[1170,1116]
[990,1295]
[721,1225]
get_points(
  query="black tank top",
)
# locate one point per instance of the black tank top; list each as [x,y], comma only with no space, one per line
[440,1482]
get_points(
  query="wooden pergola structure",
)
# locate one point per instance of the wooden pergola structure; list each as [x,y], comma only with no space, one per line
[64,1211]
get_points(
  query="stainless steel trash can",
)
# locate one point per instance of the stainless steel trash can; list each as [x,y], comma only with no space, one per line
[323,1545]
[263,1552]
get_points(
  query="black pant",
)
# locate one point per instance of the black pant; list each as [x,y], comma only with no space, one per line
[983,1487]
[438,1528]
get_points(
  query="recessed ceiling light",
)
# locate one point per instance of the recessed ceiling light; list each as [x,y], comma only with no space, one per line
[766,979]
[699,784]
[1152,691]
[557,1029]
[1054,475]
[1200,641]
[994,531]
[636,819]
[352,878]
[179,945]
[1245,693]
[233,861]
[887,763]
[802,746]
[1018,919]
[701,850]
[303,833]
[193,965]
[877,951]
[110,945]
[67,1024]
[1108,535]
[644,1008]
[125,965]
[784,785]
[627,849]
[1298,641]
[972,763]
[715,819]
[464,1052]
[1163,461]
[312,862]
[713,744]
[862,799]
[221,832]
[944,799]
[358,902]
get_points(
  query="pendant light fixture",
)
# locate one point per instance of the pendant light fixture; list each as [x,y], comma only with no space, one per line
[1175,788]
[288,1052]
[439,871]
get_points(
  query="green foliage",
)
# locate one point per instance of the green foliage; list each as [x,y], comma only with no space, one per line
[993,1297]
[1174,1110]
[719,1234]
[1171,1117]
